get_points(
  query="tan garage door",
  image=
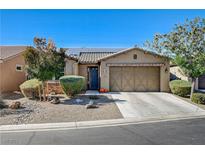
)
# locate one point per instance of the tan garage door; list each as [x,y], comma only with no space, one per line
[202,82]
[134,79]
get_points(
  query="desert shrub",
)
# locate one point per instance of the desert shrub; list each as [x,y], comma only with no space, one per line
[30,88]
[198,98]
[180,87]
[2,103]
[72,84]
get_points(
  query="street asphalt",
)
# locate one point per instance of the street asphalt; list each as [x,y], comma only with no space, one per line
[189,131]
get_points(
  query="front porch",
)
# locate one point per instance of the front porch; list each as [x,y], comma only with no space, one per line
[91,73]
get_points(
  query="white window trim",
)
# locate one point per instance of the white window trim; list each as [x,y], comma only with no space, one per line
[17,65]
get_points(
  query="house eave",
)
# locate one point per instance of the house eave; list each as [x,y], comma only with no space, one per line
[88,63]
[135,64]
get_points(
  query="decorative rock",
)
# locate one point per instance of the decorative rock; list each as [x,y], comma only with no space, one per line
[55,100]
[15,105]
[50,98]
[91,105]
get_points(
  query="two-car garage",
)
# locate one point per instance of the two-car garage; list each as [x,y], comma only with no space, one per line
[135,70]
[136,78]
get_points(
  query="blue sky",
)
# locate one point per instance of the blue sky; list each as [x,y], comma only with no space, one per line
[89,28]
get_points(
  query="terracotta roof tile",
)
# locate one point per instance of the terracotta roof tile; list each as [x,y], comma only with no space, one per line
[77,51]
[92,57]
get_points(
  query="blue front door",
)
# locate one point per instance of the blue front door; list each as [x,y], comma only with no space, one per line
[93,75]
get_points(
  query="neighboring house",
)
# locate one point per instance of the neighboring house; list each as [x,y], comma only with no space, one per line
[12,64]
[200,82]
[177,73]
[132,69]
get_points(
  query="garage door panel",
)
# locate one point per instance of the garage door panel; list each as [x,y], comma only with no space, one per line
[153,79]
[127,78]
[140,83]
[115,77]
[138,79]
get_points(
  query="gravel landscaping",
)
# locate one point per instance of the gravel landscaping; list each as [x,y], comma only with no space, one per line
[68,110]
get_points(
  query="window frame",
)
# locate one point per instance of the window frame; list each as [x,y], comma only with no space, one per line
[21,66]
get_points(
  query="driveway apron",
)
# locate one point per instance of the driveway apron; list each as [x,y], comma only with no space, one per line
[151,104]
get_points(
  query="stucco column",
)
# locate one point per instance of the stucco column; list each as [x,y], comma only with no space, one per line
[104,76]
[75,68]
[164,78]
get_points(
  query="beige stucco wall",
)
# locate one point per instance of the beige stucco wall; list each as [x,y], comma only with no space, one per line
[74,68]
[141,58]
[71,67]
[10,79]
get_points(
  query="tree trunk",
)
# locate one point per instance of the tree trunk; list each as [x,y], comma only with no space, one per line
[39,92]
[44,94]
[193,86]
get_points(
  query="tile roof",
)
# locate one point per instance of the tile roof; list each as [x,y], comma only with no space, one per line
[9,51]
[77,51]
[92,57]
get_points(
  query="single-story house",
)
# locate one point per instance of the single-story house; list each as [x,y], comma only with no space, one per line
[132,69]
[12,64]
[115,69]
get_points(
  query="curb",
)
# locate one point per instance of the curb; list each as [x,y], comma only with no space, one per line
[92,124]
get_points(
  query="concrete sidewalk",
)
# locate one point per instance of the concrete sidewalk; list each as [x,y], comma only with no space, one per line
[91,124]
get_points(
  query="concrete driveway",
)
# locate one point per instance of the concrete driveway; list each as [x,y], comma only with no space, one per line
[143,105]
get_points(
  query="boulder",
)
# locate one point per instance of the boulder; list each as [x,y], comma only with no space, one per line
[55,100]
[15,105]
[91,105]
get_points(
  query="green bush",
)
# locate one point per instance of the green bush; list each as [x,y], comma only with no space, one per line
[198,98]
[30,88]
[180,87]
[72,84]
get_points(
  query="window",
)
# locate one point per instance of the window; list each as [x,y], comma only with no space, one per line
[135,56]
[19,68]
